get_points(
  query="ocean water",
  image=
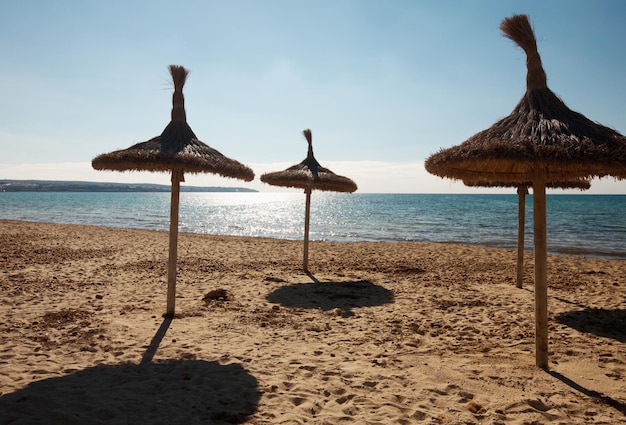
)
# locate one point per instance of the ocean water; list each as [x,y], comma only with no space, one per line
[589,225]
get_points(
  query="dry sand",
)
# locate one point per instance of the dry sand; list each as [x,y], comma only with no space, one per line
[378,333]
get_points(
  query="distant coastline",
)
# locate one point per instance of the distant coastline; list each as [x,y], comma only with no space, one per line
[80,186]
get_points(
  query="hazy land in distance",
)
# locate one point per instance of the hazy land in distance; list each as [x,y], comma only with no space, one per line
[81,186]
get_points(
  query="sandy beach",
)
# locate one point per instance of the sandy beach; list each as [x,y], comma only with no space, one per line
[376,333]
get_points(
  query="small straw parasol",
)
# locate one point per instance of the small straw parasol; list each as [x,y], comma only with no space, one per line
[541,141]
[176,150]
[522,191]
[309,175]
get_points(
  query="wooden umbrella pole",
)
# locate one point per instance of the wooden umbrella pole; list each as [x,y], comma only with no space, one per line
[541,274]
[521,224]
[177,177]
[307,214]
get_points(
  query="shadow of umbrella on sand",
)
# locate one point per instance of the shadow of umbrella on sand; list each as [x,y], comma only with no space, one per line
[176,150]
[167,392]
[522,191]
[327,296]
[309,175]
[541,141]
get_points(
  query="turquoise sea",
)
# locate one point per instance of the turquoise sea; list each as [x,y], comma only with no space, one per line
[589,225]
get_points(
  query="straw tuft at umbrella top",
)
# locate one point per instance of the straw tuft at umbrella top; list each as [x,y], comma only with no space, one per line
[541,132]
[176,149]
[309,174]
[518,29]
[179,76]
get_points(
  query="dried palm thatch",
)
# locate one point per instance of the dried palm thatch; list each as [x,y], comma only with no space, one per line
[176,150]
[580,184]
[541,141]
[309,175]
[540,132]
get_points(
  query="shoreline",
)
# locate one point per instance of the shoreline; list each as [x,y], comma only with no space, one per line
[480,220]
[377,332]
[565,251]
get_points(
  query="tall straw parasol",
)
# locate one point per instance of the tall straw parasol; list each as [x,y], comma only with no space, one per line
[176,150]
[309,175]
[542,140]
[522,191]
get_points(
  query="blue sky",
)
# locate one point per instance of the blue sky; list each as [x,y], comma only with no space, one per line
[381,84]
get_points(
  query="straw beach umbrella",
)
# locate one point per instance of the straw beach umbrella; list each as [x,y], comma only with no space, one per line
[522,191]
[176,150]
[309,175]
[541,141]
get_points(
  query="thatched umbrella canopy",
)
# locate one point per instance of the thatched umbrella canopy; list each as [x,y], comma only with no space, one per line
[176,150]
[309,175]
[522,191]
[542,140]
